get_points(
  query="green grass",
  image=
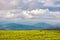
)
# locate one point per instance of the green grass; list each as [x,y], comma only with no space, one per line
[30,35]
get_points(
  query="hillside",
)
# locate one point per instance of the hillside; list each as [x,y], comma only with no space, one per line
[38,26]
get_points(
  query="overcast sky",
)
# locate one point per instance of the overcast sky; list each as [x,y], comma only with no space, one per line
[29,9]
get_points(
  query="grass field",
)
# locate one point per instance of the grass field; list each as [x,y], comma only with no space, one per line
[30,35]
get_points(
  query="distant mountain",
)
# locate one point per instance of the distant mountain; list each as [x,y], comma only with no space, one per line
[15,26]
[43,26]
[57,27]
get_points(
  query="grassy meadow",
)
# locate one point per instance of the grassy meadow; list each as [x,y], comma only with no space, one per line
[29,34]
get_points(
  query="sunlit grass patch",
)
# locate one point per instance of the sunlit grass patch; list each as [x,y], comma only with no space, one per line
[30,35]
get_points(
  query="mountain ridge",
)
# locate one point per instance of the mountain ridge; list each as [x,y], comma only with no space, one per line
[16,26]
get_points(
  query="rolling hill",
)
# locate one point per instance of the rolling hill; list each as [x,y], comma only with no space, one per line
[15,26]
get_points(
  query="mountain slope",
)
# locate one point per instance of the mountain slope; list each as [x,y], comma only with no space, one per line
[15,26]
[43,26]
[57,26]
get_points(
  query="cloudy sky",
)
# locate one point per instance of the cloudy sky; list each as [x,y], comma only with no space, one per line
[29,9]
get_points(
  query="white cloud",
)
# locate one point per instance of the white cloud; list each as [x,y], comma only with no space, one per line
[13,3]
[42,14]
[51,3]
[39,11]
[32,14]
[14,9]
[27,4]
[8,4]
[56,14]
[9,15]
[27,1]
[22,14]
[26,15]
